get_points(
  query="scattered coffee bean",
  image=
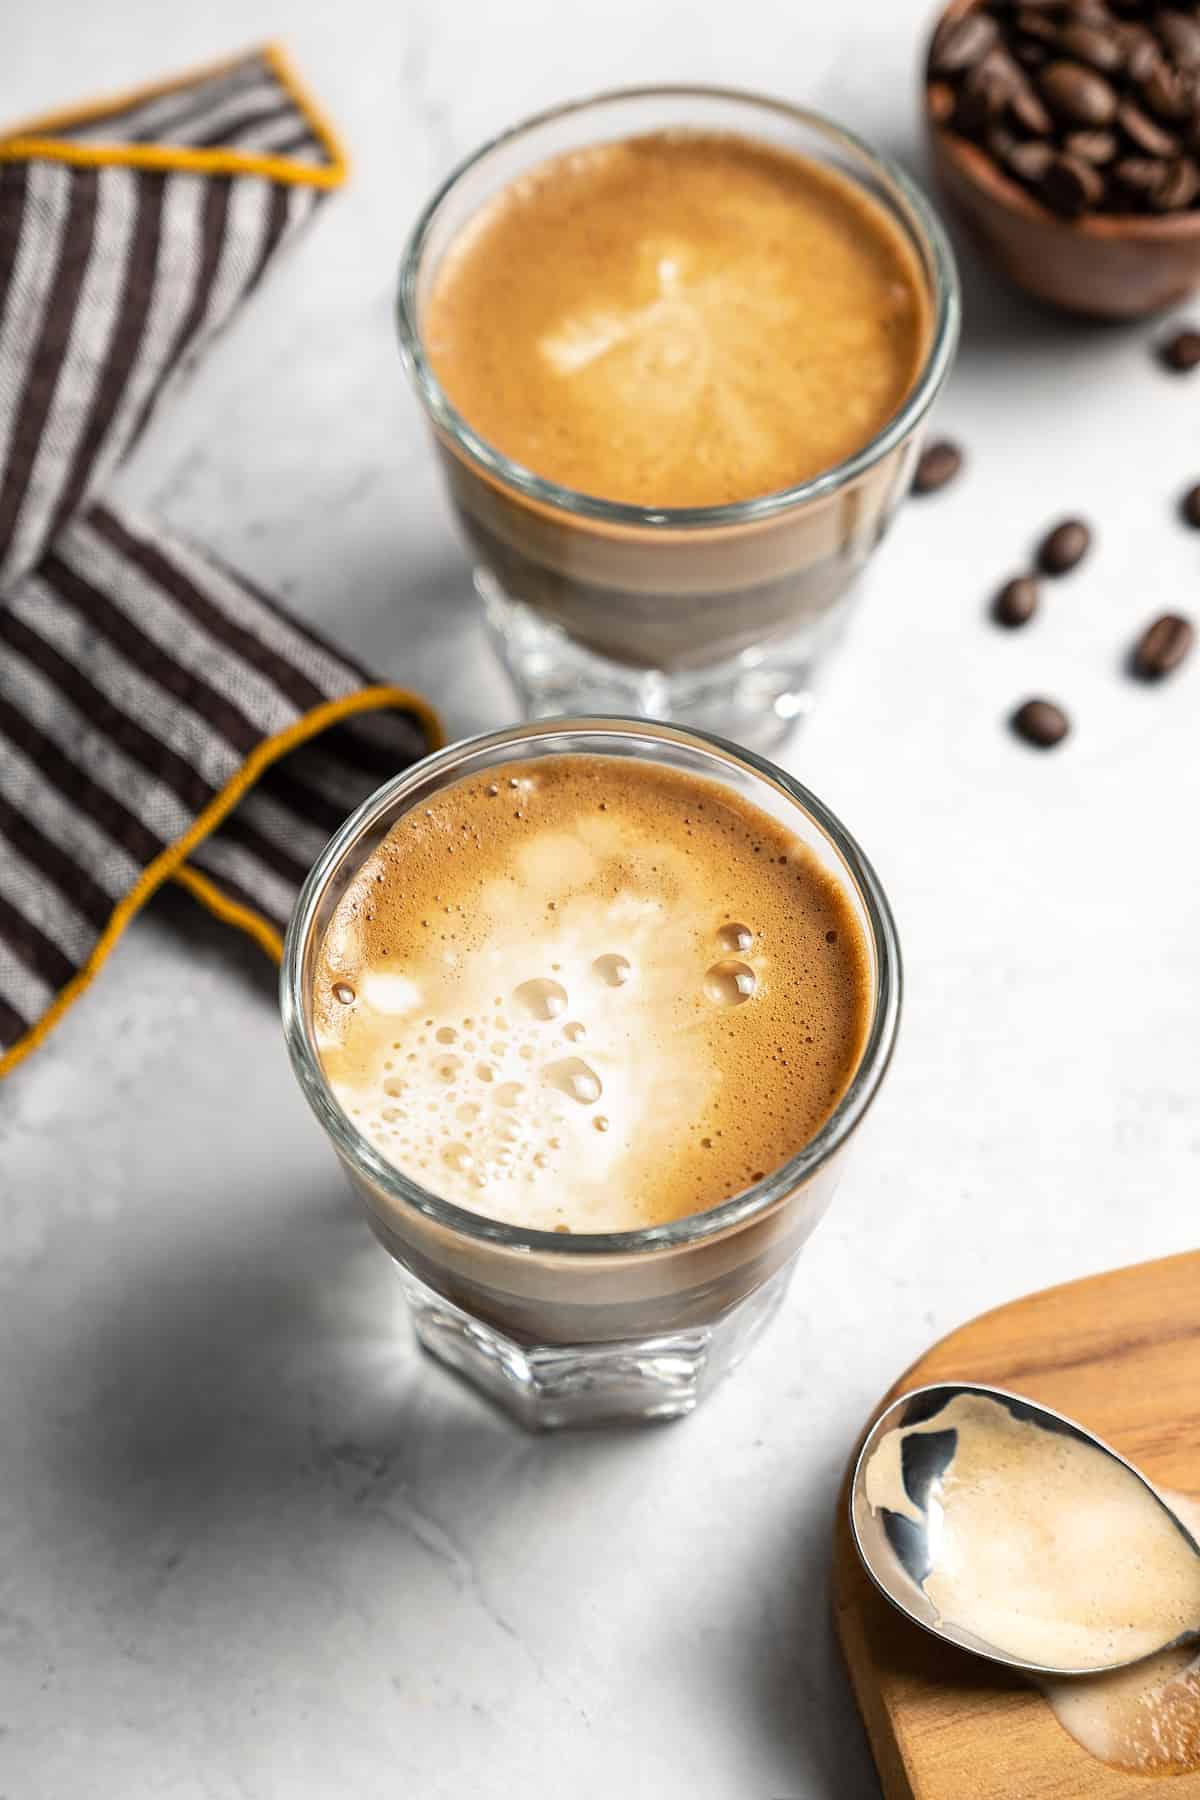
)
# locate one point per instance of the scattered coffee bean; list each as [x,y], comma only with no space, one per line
[1040,723]
[1064,548]
[1182,352]
[1016,602]
[1189,507]
[1162,647]
[1077,94]
[937,465]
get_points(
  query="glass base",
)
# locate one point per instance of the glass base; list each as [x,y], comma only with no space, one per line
[757,698]
[548,1387]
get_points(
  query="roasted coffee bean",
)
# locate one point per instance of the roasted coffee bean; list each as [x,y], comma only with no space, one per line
[1077,94]
[1064,548]
[979,102]
[1091,44]
[1000,63]
[1166,93]
[1136,179]
[1162,646]
[1144,133]
[1030,160]
[1182,352]
[1026,109]
[1016,602]
[1000,143]
[939,97]
[985,93]
[1179,186]
[936,466]
[1038,24]
[1181,35]
[1094,105]
[1189,507]
[1142,53]
[1040,723]
[1098,147]
[1071,186]
[959,43]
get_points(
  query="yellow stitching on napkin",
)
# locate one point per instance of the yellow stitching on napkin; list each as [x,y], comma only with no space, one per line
[231,912]
[33,138]
[170,860]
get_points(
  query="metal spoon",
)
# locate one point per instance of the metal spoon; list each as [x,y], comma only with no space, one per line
[900,1548]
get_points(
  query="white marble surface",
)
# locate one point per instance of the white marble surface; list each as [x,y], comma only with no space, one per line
[253,1548]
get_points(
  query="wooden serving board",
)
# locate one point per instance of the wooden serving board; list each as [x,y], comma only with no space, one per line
[1120,1353]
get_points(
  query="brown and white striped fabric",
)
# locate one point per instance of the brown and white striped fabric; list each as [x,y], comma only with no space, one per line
[144,687]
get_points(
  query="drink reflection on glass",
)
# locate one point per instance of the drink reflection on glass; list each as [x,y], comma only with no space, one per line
[676,348]
[589,1010]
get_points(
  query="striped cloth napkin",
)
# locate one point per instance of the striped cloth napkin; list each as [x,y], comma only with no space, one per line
[159,715]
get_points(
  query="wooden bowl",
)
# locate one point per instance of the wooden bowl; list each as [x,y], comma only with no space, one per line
[1108,266]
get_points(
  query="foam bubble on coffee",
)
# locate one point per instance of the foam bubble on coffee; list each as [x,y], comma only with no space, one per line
[590,993]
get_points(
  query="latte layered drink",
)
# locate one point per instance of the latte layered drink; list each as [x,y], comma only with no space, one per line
[677,349]
[589,1011]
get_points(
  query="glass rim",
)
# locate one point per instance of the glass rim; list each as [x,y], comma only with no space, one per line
[942,271]
[365,1160]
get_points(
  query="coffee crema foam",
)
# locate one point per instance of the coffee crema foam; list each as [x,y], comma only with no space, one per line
[1043,1545]
[1145,1718]
[681,319]
[592,994]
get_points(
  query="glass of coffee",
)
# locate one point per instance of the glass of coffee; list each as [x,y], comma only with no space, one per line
[589,1010]
[677,347]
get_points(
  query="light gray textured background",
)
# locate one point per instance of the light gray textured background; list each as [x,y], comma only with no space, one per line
[252,1548]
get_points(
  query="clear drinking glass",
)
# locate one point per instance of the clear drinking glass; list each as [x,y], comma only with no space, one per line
[569,1330]
[710,616]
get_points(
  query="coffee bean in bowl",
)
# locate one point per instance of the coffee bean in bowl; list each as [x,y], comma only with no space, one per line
[1067,136]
